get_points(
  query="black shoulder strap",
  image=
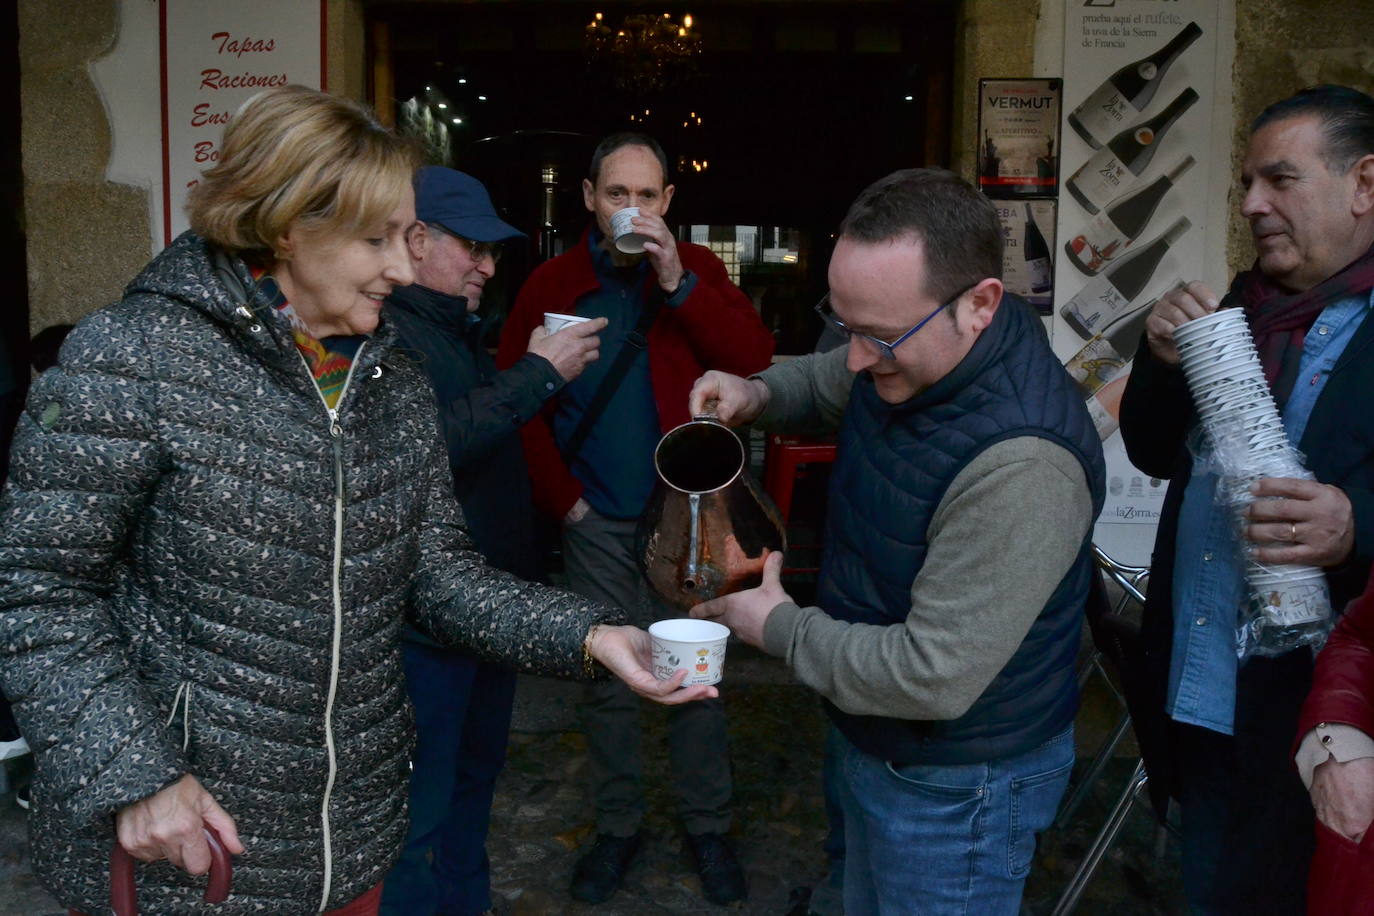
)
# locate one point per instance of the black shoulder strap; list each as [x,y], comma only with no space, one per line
[635,343]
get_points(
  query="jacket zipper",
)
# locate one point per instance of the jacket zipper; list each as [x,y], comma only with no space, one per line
[336,590]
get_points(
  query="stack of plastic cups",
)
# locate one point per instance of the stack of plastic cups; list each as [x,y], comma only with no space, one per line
[1240,418]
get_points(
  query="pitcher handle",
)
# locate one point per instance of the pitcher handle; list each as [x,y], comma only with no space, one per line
[709,410]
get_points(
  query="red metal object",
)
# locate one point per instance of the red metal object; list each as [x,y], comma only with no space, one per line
[782,458]
[123,894]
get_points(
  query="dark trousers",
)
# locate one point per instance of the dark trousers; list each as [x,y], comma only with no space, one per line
[462,719]
[598,556]
[1247,820]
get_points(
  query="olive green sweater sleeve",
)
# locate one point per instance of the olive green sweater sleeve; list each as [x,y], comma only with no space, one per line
[1002,538]
[806,395]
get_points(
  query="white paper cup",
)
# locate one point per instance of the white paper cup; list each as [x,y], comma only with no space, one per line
[624,235]
[1209,366]
[696,645]
[556,321]
[1292,600]
[1225,318]
[1215,336]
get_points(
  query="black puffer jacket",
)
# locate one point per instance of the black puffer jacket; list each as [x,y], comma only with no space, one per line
[202,572]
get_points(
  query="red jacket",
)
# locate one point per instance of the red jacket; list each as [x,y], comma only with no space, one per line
[1341,879]
[1343,680]
[715,328]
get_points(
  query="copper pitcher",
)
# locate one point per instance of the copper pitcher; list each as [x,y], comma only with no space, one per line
[709,523]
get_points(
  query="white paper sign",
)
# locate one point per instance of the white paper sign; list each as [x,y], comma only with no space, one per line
[214,57]
[1101,38]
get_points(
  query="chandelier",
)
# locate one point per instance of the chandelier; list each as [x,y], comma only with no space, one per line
[644,54]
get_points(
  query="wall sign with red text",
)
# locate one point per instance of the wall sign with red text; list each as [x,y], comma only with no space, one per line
[214,57]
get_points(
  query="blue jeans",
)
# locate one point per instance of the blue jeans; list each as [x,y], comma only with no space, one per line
[462,719]
[946,840]
[827,898]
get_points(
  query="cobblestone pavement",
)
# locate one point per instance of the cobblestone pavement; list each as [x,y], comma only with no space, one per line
[542,814]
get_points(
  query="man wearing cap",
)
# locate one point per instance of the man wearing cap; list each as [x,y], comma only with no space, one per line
[463,706]
[673,314]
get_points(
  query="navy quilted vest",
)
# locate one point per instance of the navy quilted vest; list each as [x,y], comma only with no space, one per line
[894,464]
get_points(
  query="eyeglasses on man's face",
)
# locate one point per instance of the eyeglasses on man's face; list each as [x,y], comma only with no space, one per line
[477,250]
[885,349]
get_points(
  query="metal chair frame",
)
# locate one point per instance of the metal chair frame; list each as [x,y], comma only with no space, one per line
[1130,579]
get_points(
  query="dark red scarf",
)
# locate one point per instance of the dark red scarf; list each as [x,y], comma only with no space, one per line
[1279,320]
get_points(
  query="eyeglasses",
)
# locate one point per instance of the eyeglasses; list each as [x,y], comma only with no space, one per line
[885,349]
[477,250]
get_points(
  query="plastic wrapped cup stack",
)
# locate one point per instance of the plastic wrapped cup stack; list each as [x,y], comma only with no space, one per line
[1243,424]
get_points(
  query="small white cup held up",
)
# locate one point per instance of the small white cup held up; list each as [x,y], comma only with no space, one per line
[697,645]
[623,233]
[556,321]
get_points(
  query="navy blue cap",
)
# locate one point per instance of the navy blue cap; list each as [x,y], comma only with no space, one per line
[459,203]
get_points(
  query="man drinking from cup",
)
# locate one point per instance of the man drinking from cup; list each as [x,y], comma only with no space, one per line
[957,560]
[673,313]
[1218,733]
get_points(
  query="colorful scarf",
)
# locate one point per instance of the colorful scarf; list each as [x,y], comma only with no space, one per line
[329,368]
[1280,320]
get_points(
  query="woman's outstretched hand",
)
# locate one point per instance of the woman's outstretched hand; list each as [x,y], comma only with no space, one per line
[627,652]
[171,825]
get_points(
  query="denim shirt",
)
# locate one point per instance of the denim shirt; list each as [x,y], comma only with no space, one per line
[1209,587]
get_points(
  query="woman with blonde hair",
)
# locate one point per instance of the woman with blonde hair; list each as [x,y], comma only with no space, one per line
[221,503]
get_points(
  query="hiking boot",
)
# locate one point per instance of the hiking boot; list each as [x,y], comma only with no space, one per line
[722,879]
[599,874]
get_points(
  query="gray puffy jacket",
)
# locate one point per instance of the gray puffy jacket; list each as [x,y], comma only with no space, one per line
[202,570]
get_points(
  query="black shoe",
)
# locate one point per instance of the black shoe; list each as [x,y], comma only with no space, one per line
[722,880]
[599,873]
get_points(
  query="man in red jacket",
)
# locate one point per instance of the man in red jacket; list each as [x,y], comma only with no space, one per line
[674,314]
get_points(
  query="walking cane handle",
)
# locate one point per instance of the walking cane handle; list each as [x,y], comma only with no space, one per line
[124,896]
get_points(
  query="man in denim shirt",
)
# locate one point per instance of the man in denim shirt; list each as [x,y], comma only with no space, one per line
[1218,731]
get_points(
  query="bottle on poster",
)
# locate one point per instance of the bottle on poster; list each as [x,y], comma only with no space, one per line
[1108,296]
[1115,167]
[1039,266]
[1121,222]
[1128,91]
[1102,358]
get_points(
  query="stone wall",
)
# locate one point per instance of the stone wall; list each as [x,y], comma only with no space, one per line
[1282,46]
[995,38]
[86,237]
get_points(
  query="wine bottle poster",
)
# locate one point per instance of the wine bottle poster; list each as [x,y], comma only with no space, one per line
[1018,137]
[1028,250]
[1138,160]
